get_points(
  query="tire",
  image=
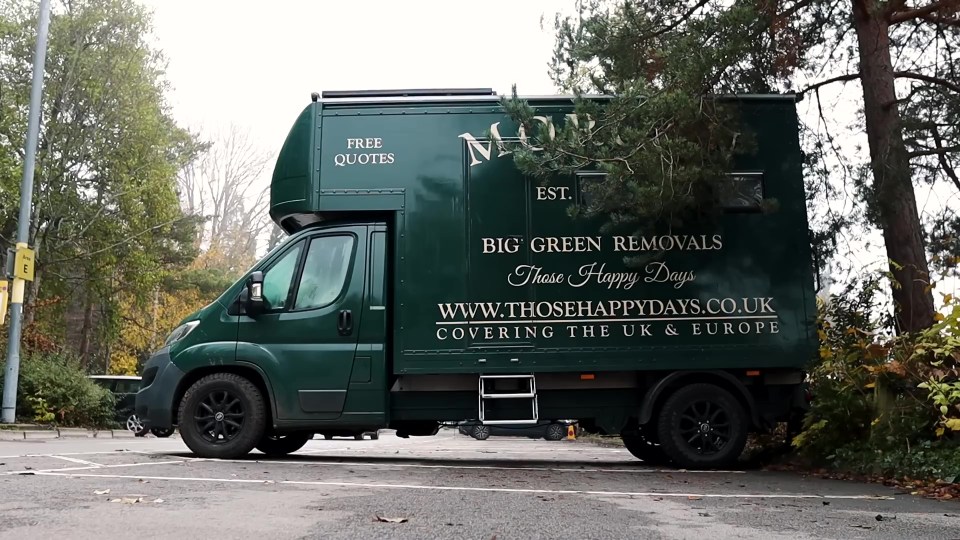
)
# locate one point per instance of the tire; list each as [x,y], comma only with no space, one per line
[554,432]
[210,408]
[358,437]
[645,449]
[709,415]
[135,426]
[161,432]
[281,445]
[481,433]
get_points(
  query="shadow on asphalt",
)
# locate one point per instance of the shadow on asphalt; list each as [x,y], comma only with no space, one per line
[420,460]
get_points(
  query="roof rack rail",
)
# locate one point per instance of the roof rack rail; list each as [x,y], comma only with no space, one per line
[412,92]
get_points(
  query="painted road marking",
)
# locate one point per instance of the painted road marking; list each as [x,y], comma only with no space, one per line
[483,489]
[484,467]
[116,452]
[75,460]
[65,469]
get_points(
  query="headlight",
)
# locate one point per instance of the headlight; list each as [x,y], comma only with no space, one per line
[181,332]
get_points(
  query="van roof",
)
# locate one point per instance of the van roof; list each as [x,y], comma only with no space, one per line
[449,95]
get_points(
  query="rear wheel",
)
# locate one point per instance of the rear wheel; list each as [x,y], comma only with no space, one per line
[554,432]
[481,433]
[702,426]
[281,445]
[222,416]
[161,432]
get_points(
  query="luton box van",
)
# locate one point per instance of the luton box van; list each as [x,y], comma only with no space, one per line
[425,279]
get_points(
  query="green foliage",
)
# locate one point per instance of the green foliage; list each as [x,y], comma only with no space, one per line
[107,222]
[884,405]
[664,153]
[54,388]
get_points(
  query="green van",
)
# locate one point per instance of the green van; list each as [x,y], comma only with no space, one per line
[425,279]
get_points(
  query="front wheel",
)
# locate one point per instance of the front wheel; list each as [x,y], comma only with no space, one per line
[281,445]
[702,426]
[222,416]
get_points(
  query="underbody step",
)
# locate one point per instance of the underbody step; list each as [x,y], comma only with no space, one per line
[487,391]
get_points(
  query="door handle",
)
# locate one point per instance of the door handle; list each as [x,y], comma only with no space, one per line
[345,322]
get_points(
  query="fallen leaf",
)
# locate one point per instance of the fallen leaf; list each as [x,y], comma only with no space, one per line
[158,500]
[391,520]
[694,498]
[101,491]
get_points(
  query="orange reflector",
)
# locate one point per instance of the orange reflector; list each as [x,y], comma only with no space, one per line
[586,376]
[753,373]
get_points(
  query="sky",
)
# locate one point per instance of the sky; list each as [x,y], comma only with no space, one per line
[243,64]
[239,63]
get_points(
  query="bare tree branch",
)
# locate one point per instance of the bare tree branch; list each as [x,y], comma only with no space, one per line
[920,12]
[940,150]
[946,21]
[942,157]
[839,78]
[928,78]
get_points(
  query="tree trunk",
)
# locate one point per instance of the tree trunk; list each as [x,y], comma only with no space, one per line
[86,331]
[893,187]
[30,296]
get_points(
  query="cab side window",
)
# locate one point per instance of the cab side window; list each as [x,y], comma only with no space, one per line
[276,280]
[324,271]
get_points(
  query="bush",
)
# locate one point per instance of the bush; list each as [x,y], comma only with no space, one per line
[55,389]
[884,404]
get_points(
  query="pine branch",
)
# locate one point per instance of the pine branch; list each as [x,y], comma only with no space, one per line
[680,20]
[928,78]
[795,8]
[922,12]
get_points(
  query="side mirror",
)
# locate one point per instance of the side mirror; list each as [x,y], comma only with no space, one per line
[254,302]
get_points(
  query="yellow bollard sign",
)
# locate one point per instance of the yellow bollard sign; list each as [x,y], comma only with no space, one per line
[23,264]
[3,300]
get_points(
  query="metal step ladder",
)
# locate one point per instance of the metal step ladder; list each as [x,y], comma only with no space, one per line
[529,393]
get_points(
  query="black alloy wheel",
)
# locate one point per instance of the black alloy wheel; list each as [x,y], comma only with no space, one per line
[222,416]
[555,432]
[702,426]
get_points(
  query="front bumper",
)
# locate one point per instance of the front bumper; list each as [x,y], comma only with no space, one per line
[158,387]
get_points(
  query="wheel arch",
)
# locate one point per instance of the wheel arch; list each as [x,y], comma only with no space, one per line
[661,390]
[251,372]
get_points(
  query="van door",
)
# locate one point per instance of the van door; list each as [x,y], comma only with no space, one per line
[308,333]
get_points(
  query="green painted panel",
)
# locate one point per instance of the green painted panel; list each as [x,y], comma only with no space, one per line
[307,359]
[739,295]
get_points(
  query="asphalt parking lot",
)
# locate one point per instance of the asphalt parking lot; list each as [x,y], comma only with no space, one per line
[447,486]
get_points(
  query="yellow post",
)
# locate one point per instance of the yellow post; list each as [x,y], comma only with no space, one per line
[3,300]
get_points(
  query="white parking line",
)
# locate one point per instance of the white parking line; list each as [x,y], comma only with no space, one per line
[388,465]
[115,452]
[483,489]
[75,460]
[87,468]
